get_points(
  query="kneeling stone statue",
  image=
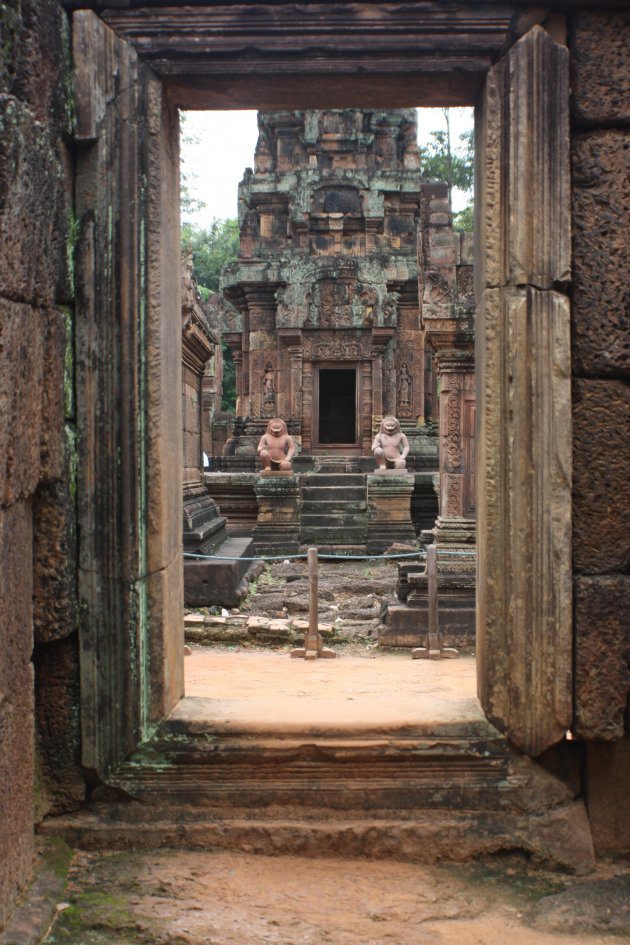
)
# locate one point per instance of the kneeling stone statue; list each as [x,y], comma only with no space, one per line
[390,447]
[276,447]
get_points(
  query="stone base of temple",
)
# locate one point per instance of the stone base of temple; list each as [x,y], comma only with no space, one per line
[407,624]
[234,492]
[204,526]
[278,523]
[214,581]
[389,510]
[219,580]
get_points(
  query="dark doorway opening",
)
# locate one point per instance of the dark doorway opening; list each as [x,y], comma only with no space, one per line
[337,406]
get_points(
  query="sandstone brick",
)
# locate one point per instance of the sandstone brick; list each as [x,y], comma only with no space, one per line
[53,441]
[601,254]
[608,776]
[55,607]
[58,726]
[22,330]
[601,459]
[34,61]
[34,207]
[600,62]
[16,704]
[602,652]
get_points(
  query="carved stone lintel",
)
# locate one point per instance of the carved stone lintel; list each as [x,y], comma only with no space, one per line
[337,346]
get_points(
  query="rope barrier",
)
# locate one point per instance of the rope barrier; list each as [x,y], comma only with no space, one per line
[331,557]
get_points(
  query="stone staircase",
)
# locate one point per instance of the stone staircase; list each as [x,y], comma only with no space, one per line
[438,791]
[333,509]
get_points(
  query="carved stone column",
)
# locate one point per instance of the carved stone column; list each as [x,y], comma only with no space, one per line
[377,385]
[456,385]
[295,382]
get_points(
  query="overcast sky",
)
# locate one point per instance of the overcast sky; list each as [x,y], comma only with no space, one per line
[222,145]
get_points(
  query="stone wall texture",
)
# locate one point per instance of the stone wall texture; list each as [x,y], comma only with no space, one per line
[600,114]
[37,600]
[38,651]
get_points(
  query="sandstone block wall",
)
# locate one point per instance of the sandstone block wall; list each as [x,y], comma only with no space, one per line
[37,602]
[600,114]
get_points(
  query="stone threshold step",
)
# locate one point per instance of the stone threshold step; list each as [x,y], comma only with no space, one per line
[558,837]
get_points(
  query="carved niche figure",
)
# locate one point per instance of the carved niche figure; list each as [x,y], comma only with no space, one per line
[405,388]
[276,447]
[390,446]
[269,391]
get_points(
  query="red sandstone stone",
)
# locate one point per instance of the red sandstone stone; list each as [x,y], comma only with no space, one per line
[601,460]
[600,58]
[602,654]
[601,261]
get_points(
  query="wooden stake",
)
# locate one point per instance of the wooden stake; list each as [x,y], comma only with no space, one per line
[434,649]
[313,645]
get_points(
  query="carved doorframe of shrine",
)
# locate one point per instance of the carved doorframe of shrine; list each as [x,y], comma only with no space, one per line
[357,367]
[128,365]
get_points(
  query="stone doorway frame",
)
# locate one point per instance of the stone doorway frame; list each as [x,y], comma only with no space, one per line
[355,366]
[129,83]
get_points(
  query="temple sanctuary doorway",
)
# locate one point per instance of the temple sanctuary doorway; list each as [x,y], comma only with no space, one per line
[335,406]
[129,343]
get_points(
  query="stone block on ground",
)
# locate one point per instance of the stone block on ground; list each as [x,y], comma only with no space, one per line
[217,581]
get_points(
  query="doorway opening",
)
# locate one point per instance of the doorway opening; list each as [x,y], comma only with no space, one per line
[337,400]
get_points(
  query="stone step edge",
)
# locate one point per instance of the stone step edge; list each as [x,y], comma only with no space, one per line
[559,837]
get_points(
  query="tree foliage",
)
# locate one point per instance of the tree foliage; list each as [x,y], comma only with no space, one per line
[211,249]
[441,160]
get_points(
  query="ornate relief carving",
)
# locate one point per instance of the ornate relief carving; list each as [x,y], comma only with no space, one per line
[268,391]
[454,423]
[453,495]
[436,288]
[337,346]
[405,390]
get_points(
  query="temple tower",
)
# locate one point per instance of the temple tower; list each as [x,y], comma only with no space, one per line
[324,325]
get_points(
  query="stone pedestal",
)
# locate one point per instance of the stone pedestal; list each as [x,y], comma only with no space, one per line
[277,529]
[407,624]
[389,510]
[235,493]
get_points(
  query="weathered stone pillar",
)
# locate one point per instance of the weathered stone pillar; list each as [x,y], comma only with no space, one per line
[524,612]
[278,525]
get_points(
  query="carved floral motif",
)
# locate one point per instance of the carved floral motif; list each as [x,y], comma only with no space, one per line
[337,346]
[454,423]
[453,495]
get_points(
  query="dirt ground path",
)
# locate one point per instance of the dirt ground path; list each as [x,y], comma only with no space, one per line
[192,898]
